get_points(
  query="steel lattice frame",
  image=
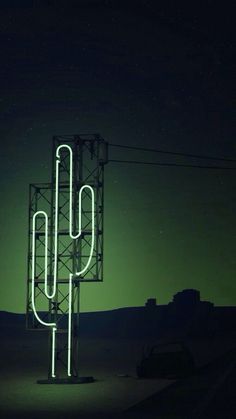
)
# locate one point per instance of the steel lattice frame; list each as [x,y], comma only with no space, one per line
[89,157]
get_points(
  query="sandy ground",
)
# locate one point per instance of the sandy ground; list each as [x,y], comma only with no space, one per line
[111,362]
[105,397]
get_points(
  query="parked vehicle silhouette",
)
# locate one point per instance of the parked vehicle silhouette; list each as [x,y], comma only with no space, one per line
[172,360]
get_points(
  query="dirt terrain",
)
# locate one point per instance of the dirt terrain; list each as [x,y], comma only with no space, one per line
[112,362]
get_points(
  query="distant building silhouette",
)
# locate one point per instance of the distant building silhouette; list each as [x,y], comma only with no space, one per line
[151,302]
[187,297]
[186,315]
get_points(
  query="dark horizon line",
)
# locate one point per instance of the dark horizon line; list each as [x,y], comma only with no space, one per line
[116,309]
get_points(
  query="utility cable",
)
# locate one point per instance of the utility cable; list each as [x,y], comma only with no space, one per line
[155,150]
[171,164]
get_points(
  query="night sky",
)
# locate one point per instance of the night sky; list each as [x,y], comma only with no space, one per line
[140,73]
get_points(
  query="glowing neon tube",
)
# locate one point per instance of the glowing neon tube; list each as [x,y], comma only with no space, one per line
[86,266]
[69,327]
[74,237]
[53,325]
[93,225]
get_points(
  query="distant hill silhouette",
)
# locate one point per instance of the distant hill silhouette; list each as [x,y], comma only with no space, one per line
[186,315]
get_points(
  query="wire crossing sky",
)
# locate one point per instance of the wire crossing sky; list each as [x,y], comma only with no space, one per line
[172,164]
[154,150]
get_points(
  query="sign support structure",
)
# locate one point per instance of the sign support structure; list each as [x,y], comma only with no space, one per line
[65,248]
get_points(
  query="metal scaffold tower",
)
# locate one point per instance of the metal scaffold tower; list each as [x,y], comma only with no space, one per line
[65,247]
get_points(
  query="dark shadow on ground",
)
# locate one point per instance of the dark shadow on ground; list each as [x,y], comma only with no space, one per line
[209,393]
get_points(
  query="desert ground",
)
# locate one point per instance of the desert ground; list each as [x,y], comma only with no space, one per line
[116,391]
[111,363]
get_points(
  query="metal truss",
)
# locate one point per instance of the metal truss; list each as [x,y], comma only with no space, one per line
[89,157]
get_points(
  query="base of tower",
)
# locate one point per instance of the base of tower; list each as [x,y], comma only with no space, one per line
[68,380]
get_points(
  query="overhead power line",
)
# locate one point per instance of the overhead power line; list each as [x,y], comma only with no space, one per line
[171,164]
[155,150]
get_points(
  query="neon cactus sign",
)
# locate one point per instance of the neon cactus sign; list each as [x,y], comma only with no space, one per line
[53,286]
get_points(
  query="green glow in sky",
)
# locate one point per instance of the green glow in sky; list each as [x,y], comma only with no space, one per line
[164,231]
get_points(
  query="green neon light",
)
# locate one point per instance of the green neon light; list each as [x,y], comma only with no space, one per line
[73,237]
[53,325]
